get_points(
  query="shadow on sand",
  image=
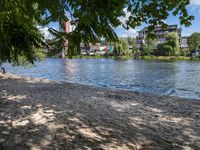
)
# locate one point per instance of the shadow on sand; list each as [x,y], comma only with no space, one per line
[39,114]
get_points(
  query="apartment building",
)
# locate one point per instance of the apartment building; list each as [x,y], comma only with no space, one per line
[159,32]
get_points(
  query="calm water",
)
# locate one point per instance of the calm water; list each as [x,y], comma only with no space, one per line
[165,78]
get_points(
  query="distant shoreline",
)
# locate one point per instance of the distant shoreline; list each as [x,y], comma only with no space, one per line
[159,58]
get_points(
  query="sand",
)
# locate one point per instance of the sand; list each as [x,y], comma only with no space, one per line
[37,114]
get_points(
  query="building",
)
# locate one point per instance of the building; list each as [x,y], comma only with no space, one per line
[159,32]
[183,43]
[69,26]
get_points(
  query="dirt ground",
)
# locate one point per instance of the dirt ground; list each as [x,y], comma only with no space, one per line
[37,114]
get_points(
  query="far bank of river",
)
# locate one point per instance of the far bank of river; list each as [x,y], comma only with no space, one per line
[160,58]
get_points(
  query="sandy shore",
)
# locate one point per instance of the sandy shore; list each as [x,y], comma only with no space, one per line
[42,114]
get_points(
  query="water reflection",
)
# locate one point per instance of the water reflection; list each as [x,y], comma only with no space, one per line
[70,70]
[165,78]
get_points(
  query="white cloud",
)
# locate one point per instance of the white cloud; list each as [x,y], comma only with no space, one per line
[194,2]
[45,32]
[125,18]
[130,32]
[195,5]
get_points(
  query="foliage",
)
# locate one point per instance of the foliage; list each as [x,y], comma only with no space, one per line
[163,49]
[92,18]
[22,60]
[166,58]
[121,48]
[117,49]
[194,41]
[184,51]
[19,36]
[170,47]
[132,42]
[149,46]
[173,40]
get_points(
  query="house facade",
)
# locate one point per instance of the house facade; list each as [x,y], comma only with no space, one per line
[183,43]
[160,33]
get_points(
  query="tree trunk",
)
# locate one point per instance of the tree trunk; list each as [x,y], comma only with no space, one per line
[2,68]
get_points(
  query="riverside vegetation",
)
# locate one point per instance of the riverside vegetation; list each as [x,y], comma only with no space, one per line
[125,48]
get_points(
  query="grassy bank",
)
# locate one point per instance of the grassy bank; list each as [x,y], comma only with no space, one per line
[160,58]
[100,56]
[168,58]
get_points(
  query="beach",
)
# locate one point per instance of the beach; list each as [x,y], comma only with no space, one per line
[37,114]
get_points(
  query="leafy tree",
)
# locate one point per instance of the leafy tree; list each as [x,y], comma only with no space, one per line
[170,47]
[20,39]
[149,46]
[163,49]
[173,41]
[132,42]
[115,50]
[118,50]
[122,48]
[125,46]
[92,18]
[194,41]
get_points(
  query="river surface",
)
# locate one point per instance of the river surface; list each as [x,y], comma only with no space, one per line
[180,79]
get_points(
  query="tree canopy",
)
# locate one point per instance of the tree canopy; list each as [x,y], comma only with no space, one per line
[122,47]
[149,46]
[19,35]
[19,19]
[194,41]
[170,47]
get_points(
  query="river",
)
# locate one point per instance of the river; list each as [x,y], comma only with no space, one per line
[180,79]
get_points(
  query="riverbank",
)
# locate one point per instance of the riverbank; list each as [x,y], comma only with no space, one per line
[170,58]
[159,58]
[44,114]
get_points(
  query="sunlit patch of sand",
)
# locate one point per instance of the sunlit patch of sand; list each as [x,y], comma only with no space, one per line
[74,119]
[90,133]
[173,119]
[20,123]
[26,107]
[42,116]
[46,140]
[38,80]
[54,126]
[156,110]
[124,106]
[15,97]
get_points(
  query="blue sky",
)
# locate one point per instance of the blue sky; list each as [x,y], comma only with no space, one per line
[193,9]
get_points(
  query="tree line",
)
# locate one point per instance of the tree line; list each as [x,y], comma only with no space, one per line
[170,47]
